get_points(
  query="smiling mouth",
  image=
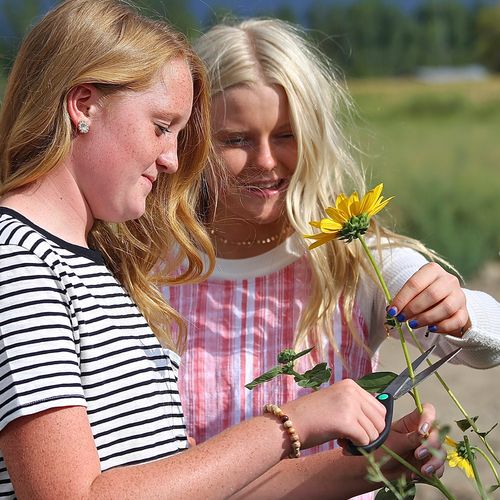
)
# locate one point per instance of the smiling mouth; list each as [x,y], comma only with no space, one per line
[278,185]
[150,178]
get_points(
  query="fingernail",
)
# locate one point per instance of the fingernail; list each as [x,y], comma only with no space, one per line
[424,452]
[429,469]
[401,317]
[424,428]
[413,323]
[392,311]
[432,328]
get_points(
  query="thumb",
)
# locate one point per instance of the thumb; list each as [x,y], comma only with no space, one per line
[416,422]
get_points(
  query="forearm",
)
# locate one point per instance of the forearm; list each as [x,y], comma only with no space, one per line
[53,455]
[329,475]
[215,469]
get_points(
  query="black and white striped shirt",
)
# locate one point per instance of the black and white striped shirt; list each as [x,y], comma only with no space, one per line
[71,336]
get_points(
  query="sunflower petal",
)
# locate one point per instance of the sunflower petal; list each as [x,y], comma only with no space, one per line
[329,226]
[378,207]
[344,207]
[450,442]
[336,215]
[321,239]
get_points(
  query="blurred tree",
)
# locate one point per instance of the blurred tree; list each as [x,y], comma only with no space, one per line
[379,31]
[18,17]
[488,36]
[217,15]
[369,37]
[177,12]
[284,12]
[331,27]
[444,33]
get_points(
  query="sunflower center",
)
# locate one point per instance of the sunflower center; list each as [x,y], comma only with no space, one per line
[354,227]
[462,450]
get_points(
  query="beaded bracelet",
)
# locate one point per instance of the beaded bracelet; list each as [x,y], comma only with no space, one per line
[287,424]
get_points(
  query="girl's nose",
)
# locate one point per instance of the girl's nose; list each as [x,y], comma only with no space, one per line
[264,156]
[168,161]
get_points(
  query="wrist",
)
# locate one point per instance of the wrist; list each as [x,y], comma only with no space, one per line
[289,429]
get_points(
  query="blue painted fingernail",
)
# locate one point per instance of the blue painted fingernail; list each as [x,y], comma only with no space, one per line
[413,323]
[432,328]
[401,317]
[392,311]
[429,469]
[423,453]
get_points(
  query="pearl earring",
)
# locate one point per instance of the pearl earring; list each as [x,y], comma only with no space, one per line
[83,127]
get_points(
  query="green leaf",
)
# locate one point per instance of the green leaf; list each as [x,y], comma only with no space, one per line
[493,488]
[443,432]
[386,494]
[265,377]
[376,381]
[315,376]
[484,434]
[410,491]
[464,424]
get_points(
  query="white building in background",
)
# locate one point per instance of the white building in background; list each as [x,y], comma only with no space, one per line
[447,74]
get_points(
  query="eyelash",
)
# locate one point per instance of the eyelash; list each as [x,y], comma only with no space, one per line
[240,141]
[235,141]
[161,130]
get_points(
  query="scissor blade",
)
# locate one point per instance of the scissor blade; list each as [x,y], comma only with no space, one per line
[400,381]
[410,384]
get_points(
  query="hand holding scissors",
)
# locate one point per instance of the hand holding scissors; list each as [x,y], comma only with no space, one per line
[401,385]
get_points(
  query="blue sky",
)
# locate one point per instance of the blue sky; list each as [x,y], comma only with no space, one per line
[250,7]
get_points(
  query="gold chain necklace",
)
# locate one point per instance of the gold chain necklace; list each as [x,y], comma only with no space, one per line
[240,243]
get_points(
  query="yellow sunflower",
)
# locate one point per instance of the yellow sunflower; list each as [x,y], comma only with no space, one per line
[349,218]
[457,456]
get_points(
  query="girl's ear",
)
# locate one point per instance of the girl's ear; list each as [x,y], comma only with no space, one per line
[82,101]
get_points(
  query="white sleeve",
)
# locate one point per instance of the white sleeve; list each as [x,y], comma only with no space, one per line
[480,344]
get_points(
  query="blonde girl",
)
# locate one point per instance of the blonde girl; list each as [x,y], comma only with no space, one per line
[277,112]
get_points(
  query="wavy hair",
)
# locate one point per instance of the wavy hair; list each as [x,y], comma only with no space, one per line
[108,44]
[279,53]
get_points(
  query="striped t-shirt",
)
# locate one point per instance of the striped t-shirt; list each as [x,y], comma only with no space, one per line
[70,335]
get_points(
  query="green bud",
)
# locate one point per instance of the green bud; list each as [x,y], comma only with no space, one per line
[286,356]
[356,226]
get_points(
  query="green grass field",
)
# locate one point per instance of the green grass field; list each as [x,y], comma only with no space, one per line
[437,148]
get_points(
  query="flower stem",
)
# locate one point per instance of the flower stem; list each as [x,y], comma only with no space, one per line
[376,269]
[472,462]
[434,481]
[490,463]
[411,373]
[400,329]
[457,403]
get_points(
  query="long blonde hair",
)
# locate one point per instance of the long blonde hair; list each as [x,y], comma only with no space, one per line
[279,53]
[108,44]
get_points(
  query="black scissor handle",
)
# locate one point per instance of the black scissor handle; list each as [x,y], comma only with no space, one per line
[388,401]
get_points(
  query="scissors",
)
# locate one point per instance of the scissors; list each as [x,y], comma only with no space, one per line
[397,388]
